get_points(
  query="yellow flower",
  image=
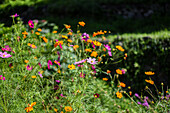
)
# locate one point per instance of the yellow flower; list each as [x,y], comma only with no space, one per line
[96,43]
[120,48]
[64,36]
[39,29]
[118,71]
[105,79]
[35,57]
[94,53]
[71,66]
[82,23]
[29,44]
[88,50]
[119,95]
[149,73]
[34,77]
[68,108]
[54,31]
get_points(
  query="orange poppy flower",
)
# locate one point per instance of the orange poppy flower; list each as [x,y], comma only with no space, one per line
[70,33]
[75,46]
[54,31]
[67,26]
[39,29]
[120,48]
[105,79]
[94,53]
[118,71]
[45,39]
[82,23]
[149,73]
[108,71]
[119,95]
[88,50]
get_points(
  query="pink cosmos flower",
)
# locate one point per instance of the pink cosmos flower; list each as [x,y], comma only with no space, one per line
[80,65]
[31,24]
[16,15]
[49,63]
[7,48]
[110,53]
[40,74]
[92,61]
[85,36]
[2,78]
[29,68]
[5,55]
[107,47]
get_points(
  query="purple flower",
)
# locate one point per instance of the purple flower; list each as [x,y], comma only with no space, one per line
[5,55]
[85,36]
[80,65]
[15,15]
[92,61]
[80,61]
[96,95]
[58,81]
[10,65]
[40,74]
[107,47]
[31,24]
[146,104]
[139,102]
[137,95]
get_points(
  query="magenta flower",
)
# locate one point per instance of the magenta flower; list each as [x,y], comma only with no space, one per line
[110,53]
[123,71]
[92,61]
[107,47]
[137,95]
[16,15]
[58,81]
[31,24]
[82,75]
[7,48]
[5,55]
[2,78]
[29,68]
[40,74]
[85,36]
[40,65]
[61,95]
[80,65]
[49,63]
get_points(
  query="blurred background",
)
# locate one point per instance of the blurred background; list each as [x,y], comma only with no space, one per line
[118,16]
[142,27]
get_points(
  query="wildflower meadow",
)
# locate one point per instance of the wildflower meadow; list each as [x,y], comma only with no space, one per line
[46,70]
